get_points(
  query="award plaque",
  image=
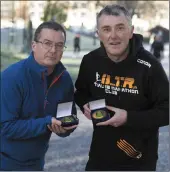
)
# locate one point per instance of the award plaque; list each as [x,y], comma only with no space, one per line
[99,112]
[65,116]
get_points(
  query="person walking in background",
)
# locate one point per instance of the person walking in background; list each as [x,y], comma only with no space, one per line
[136,90]
[76,44]
[157,47]
[30,92]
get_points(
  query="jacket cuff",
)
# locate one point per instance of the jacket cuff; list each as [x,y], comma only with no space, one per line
[48,120]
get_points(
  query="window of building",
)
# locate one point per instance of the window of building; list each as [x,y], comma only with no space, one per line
[84,5]
[75,6]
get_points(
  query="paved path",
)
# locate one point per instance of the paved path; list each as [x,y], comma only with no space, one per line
[71,153]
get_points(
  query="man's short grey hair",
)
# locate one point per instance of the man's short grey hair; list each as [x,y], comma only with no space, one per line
[115,10]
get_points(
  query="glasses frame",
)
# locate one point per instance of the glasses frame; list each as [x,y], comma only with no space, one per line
[42,43]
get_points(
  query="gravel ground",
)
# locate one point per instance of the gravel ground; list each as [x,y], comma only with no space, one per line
[71,153]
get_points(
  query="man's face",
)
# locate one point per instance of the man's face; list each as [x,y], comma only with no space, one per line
[48,49]
[114,32]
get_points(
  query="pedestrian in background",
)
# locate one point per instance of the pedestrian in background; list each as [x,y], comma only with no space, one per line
[157,47]
[76,43]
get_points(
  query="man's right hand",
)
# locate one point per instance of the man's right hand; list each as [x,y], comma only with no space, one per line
[56,126]
[87,111]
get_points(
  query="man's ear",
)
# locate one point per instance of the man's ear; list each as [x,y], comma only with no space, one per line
[33,45]
[132,30]
[97,31]
[98,34]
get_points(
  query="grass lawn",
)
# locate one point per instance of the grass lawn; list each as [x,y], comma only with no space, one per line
[72,65]
[73,72]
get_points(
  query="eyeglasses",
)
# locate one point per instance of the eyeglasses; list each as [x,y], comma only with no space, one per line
[48,45]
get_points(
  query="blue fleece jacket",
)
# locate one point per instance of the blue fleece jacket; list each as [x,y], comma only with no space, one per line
[24,119]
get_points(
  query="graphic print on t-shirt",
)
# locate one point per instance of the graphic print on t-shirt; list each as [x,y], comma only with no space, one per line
[115,84]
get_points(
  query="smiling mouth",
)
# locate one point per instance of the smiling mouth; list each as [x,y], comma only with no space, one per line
[115,43]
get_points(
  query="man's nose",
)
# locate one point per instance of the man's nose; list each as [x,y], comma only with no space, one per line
[113,33]
[53,48]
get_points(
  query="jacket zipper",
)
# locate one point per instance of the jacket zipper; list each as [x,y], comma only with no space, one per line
[53,82]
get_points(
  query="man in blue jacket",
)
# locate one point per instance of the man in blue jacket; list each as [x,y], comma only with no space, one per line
[30,92]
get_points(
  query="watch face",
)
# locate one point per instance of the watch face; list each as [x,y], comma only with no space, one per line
[99,114]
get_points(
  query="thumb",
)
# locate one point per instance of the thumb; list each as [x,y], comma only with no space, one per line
[111,108]
[55,121]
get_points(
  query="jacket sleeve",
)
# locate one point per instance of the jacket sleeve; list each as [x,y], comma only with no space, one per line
[13,126]
[69,96]
[82,94]
[158,92]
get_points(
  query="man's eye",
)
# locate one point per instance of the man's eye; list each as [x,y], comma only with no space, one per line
[48,43]
[106,29]
[59,45]
[120,28]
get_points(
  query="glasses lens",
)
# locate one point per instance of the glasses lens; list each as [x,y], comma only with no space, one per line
[47,45]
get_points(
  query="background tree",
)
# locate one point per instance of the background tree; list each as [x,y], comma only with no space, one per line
[130,5]
[143,9]
[149,9]
[56,11]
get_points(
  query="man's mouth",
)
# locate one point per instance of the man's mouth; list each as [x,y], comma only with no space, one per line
[52,58]
[114,43]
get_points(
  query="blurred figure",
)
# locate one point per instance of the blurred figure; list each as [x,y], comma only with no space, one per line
[31,90]
[30,35]
[94,37]
[24,48]
[76,44]
[157,47]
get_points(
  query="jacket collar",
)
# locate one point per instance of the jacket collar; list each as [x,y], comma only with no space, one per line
[39,69]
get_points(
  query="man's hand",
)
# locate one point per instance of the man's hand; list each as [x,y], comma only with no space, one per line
[87,111]
[57,128]
[119,118]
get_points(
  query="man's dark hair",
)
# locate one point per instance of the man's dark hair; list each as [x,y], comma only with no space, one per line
[115,10]
[48,25]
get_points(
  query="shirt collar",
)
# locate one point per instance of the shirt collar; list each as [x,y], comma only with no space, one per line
[39,69]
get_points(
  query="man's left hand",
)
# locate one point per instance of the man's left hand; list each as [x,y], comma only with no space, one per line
[59,129]
[119,118]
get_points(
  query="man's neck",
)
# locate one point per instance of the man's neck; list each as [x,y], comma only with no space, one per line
[119,58]
[50,70]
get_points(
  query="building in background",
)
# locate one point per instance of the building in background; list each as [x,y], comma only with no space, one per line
[14,13]
[80,14]
[36,11]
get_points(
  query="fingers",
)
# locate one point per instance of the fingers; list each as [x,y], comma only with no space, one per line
[87,114]
[111,121]
[56,129]
[104,123]
[69,128]
[87,111]
[107,123]
[55,121]
[86,108]
[112,108]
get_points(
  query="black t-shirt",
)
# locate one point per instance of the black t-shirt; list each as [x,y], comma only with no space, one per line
[50,79]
